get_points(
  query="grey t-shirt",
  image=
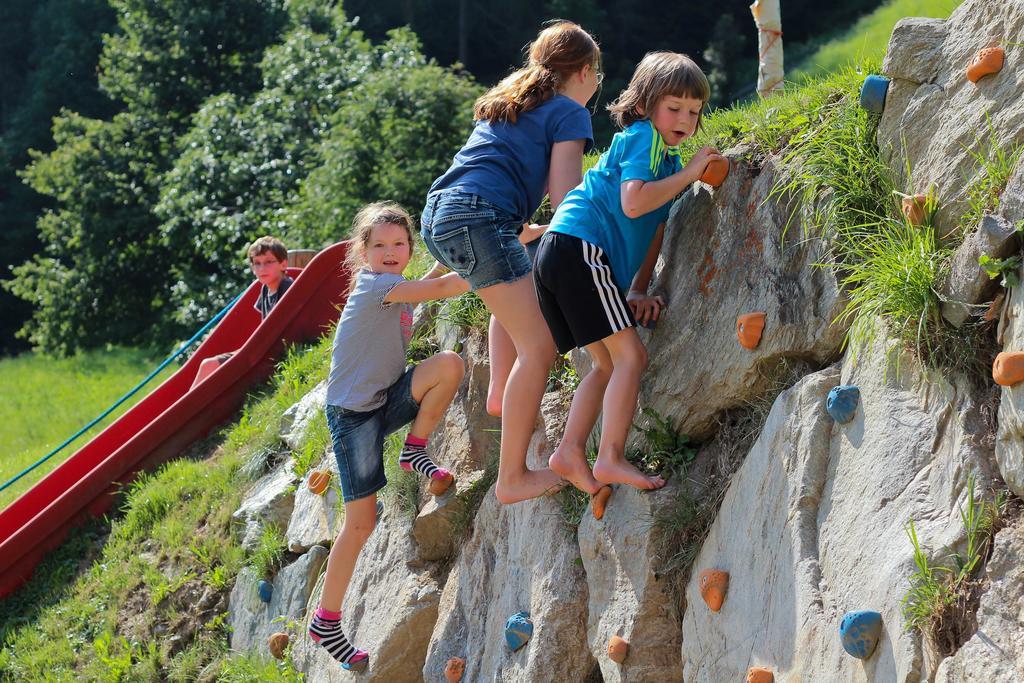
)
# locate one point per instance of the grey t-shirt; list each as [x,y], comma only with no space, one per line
[369,346]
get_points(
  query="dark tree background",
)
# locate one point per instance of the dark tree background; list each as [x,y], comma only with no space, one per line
[143,142]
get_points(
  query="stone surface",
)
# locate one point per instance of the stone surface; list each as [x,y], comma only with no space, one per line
[996,651]
[935,117]
[627,595]
[723,256]
[966,285]
[433,528]
[296,420]
[316,520]
[389,610]
[813,525]
[269,501]
[1010,437]
[252,621]
[520,557]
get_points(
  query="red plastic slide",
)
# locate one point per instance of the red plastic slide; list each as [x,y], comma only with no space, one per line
[164,423]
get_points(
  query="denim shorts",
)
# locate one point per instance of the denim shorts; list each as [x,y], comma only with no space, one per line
[475,238]
[358,438]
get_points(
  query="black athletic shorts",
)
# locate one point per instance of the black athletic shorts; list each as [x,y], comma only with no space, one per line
[578,295]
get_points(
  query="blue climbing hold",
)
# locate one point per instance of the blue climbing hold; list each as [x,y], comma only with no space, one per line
[859,632]
[842,402]
[873,92]
[518,630]
[266,590]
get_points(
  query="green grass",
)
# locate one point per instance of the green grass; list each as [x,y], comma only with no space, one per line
[46,400]
[866,40]
[943,594]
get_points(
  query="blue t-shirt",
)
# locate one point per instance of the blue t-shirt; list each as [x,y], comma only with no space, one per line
[593,211]
[507,163]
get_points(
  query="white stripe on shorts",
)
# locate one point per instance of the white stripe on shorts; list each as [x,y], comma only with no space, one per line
[611,299]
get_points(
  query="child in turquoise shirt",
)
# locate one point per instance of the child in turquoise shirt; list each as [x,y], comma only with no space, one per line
[595,262]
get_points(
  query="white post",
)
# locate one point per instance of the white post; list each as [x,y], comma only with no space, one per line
[768,18]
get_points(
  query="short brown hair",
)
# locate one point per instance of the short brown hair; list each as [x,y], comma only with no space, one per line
[658,75]
[560,50]
[271,244]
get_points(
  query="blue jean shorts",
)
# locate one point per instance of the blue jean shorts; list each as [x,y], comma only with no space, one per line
[474,238]
[358,438]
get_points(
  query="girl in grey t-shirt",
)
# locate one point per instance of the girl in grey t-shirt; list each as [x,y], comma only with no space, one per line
[370,393]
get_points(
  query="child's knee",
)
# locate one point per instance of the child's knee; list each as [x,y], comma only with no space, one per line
[357,530]
[452,365]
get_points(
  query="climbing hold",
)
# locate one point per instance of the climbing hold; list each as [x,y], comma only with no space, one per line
[617,649]
[987,61]
[1008,368]
[842,402]
[599,501]
[873,92]
[454,669]
[757,674]
[715,172]
[518,630]
[748,329]
[318,481]
[266,590]
[277,644]
[916,208]
[859,632]
[440,482]
[713,584]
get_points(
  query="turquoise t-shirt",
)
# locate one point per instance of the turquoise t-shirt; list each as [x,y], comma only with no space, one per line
[593,212]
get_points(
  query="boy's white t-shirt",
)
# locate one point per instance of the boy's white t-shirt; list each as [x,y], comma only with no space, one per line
[369,345]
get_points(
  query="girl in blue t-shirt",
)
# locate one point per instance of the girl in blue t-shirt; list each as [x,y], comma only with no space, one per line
[605,238]
[531,132]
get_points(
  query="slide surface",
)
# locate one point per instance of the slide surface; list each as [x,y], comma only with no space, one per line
[172,416]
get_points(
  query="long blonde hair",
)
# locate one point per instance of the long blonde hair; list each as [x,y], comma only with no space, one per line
[659,74]
[560,50]
[371,215]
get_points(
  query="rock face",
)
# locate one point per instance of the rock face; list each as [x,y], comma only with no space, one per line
[934,117]
[389,611]
[627,596]
[316,519]
[296,420]
[269,501]
[721,259]
[1010,438]
[520,557]
[996,652]
[966,286]
[813,525]
[253,621]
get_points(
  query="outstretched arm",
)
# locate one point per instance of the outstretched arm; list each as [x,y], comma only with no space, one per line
[415,291]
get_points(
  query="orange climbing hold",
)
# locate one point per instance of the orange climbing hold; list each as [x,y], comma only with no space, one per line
[713,584]
[277,644]
[454,669]
[599,501]
[749,327]
[1008,368]
[715,172]
[916,208]
[986,62]
[618,648]
[757,674]
[318,481]
[438,485]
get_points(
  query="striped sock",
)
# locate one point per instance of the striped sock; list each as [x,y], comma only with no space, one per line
[414,457]
[325,630]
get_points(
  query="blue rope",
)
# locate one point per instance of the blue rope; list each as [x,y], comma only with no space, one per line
[124,398]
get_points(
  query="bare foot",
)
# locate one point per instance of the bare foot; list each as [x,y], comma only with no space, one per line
[623,472]
[529,484]
[599,501]
[571,463]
